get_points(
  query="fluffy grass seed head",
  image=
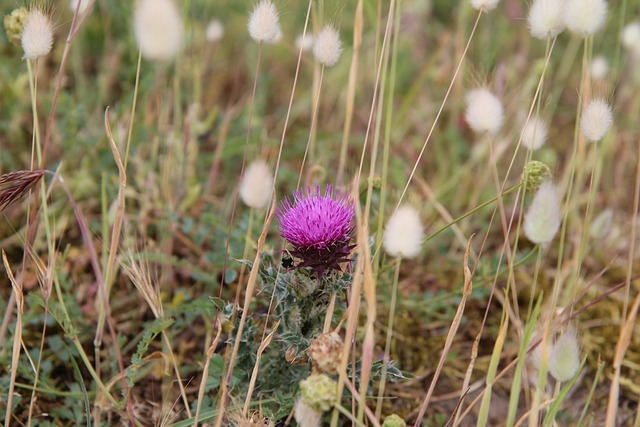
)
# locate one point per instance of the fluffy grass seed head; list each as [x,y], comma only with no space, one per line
[404,233]
[37,35]
[484,111]
[601,225]
[256,185]
[535,133]
[158,29]
[564,356]
[599,68]
[546,18]
[305,415]
[264,22]
[596,120]
[631,38]
[327,46]
[14,23]
[542,220]
[318,392]
[318,226]
[214,31]
[585,17]
[305,42]
[486,5]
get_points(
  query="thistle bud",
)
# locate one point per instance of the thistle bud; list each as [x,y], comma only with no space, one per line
[534,174]
[325,351]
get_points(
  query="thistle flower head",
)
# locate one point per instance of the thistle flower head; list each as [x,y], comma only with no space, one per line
[37,35]
[404,233]
[318,226]
[486,5]
[564,356]
[631,38]
[318,392]
[599,68]
[534,134]
[158,29]
[327,46]
[546,18]
[585,17]
[484,111]
[542,220]
[264,23]
[214,31]
[256,185]
[596,120]
[13,25]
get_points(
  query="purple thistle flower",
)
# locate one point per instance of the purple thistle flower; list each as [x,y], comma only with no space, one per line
[318,226]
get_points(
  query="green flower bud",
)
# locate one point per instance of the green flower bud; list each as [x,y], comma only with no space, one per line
[394,420]
[318,392]
[13,25]
[535,173]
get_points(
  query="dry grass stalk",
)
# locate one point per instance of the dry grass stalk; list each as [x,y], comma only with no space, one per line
[17,337]
[254,374]
[205,372]
[468,287]
[14,185]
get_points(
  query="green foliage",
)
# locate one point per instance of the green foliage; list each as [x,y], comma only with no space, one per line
[150,334]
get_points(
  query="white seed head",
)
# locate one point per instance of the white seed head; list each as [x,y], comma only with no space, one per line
[596,120]
[585,17]
[158,29]
[73,4]
[599,68]
[37,35]
[484,111]
[545,18]
[264,23]
[542,220]
[534,134]
[214,31]
[327,46]
[601,225]
[276,39]
[404,233]
[631,38]
[564,356]
[256,185]
[306,42]
[486,5]
[306,416]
